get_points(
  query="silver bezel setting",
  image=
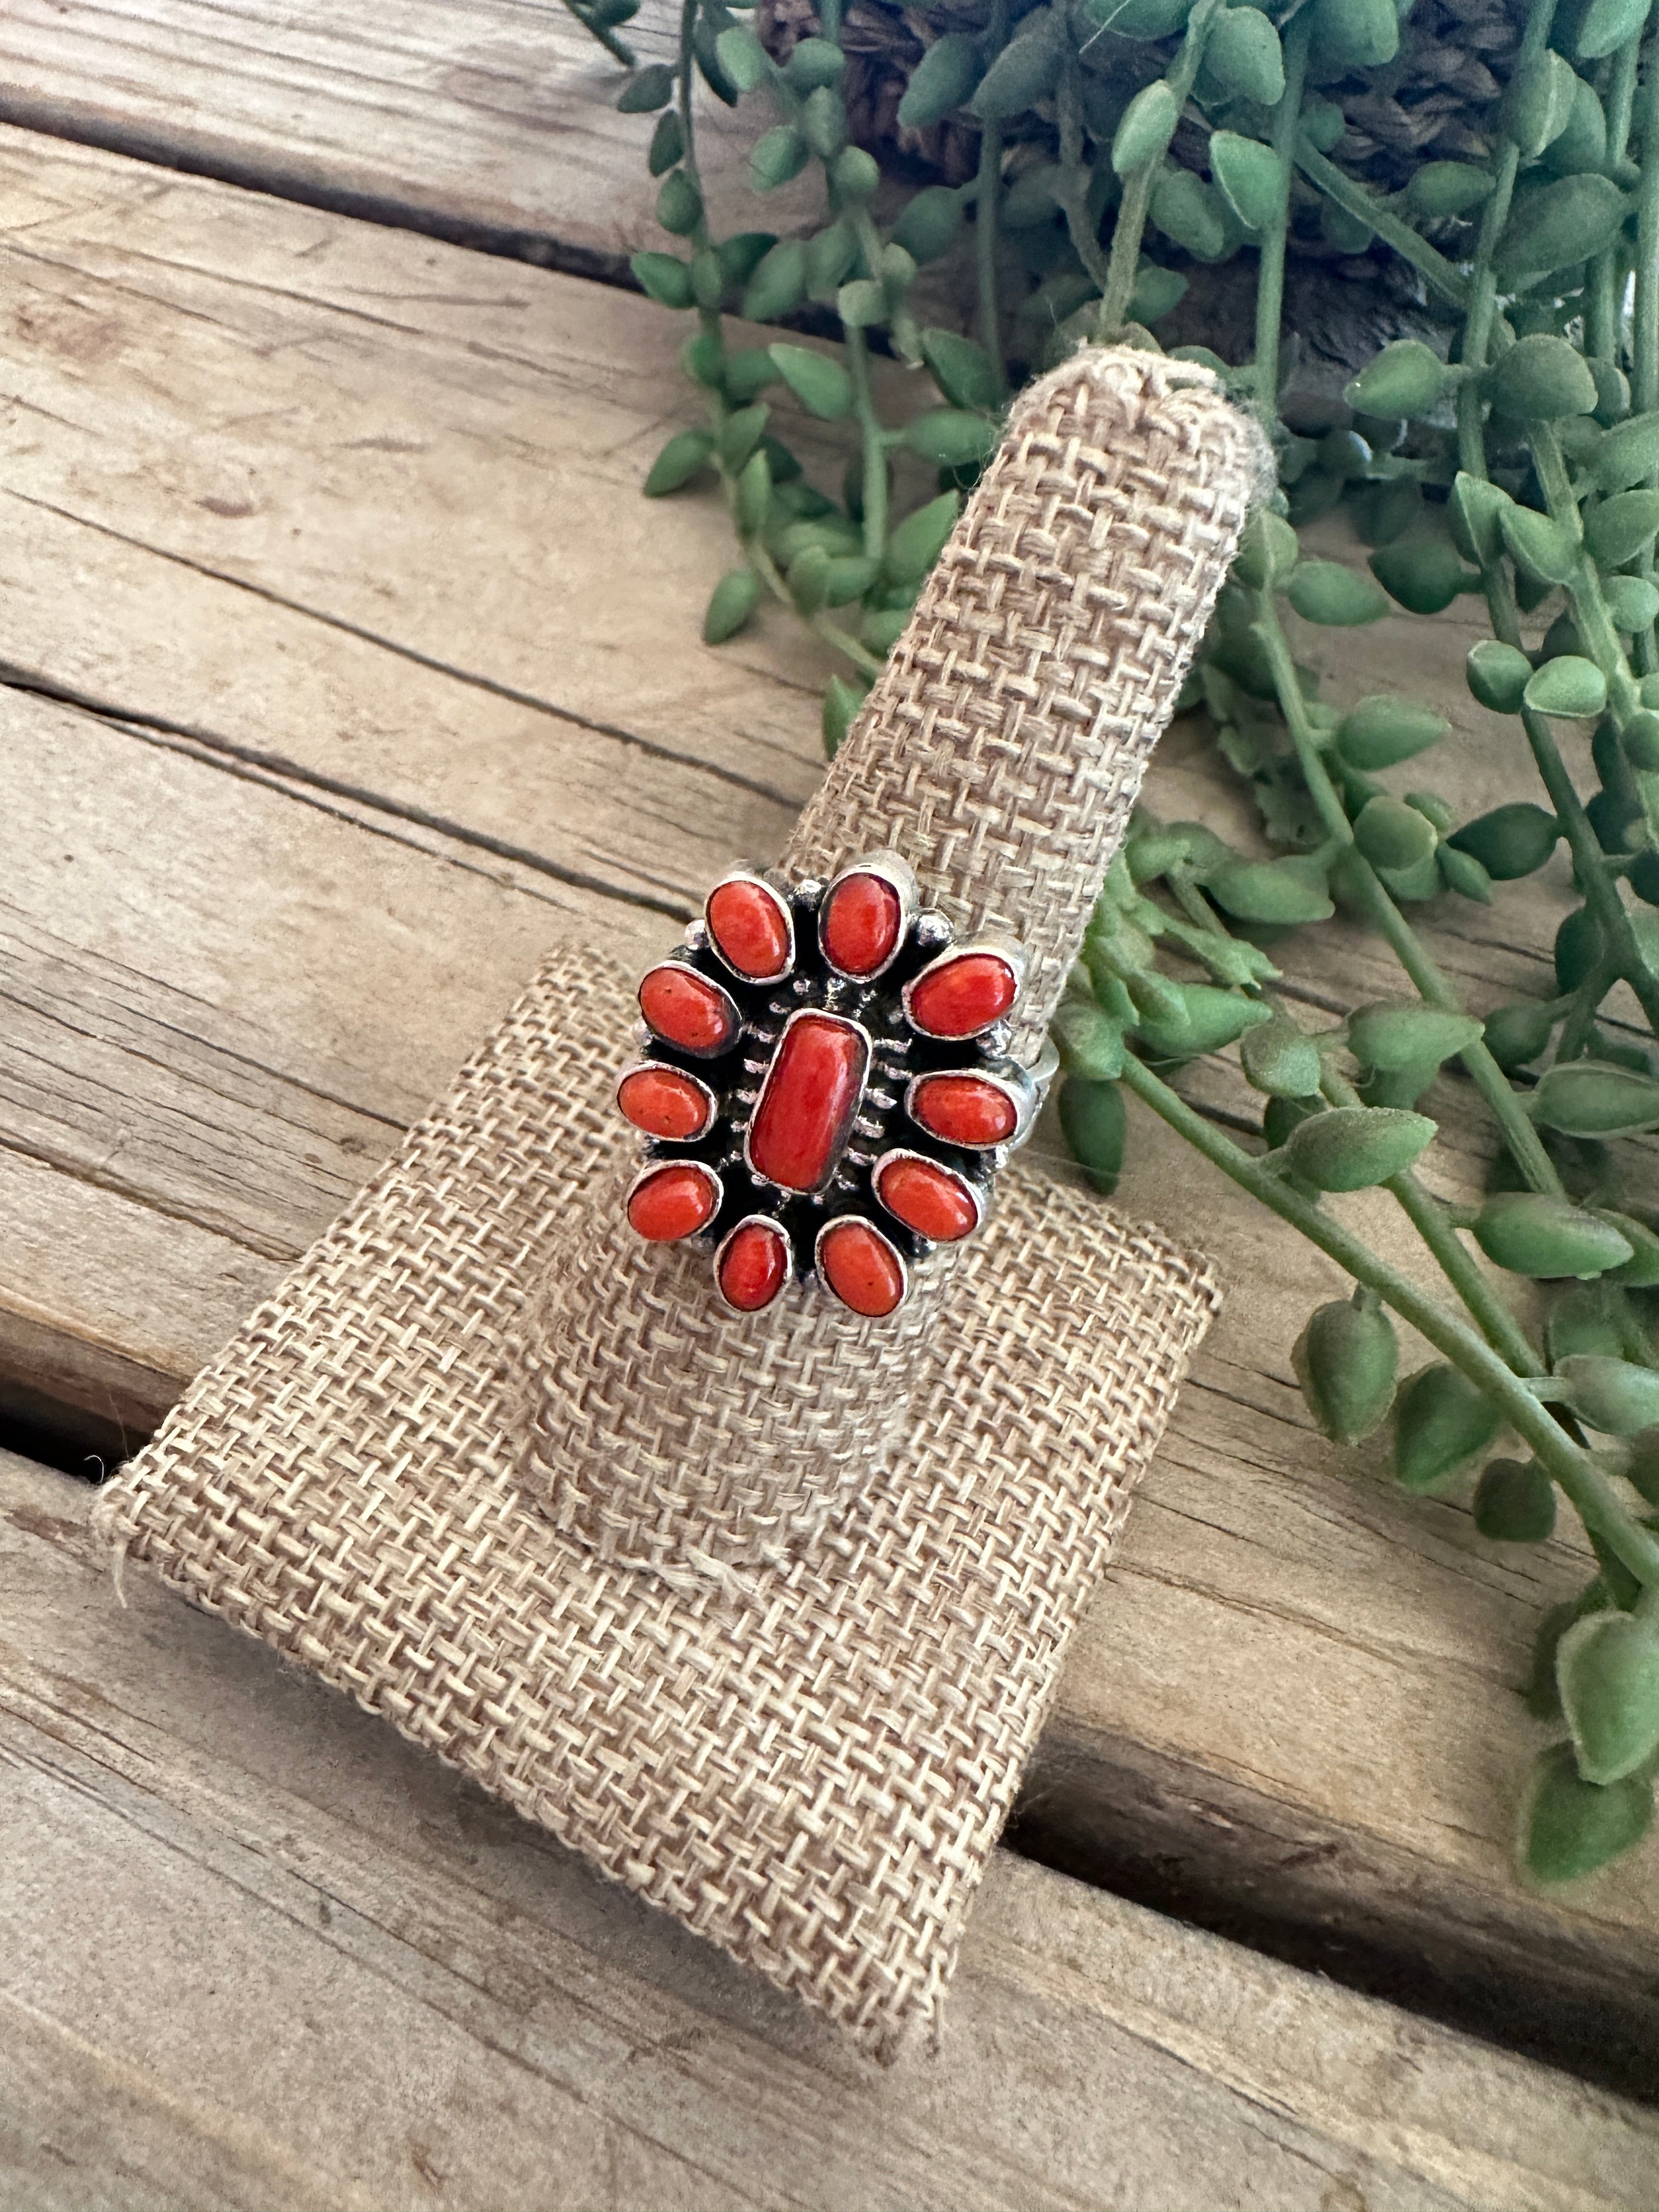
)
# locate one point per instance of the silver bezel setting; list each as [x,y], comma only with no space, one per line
[694,1052]
[1009,1078]
[711,1104]
[862,1221]
[841,1021]
[895,871]
[779,899]
[653,1168]
[981,1202]
[754,1221]
[999,947]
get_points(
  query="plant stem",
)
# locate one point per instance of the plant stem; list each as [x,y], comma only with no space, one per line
[1429,984]
[874,438]
[1597,1503]
[1270,273]
[1453,1257]
[1357,202]
[618,49]
[1130,227]
[1068,109]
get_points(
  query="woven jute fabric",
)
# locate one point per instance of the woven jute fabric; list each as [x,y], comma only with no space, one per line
[1000,750]
[809,1772]
[763,1616]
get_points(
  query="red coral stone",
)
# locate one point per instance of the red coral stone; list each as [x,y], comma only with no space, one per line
[964,1109]
[673,1201]
[860,1267]
[750,925]
[928,1199]
[859,925]
[960,997]
[665,1103]
[752,1266]
[808,1101]
[686,1009]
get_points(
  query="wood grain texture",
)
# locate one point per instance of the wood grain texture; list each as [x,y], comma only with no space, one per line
[386,678]
[492,124]
[256,1950]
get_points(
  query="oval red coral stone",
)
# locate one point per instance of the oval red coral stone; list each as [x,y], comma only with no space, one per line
[960,997]
[861,1267]
[860,924]
[928,1199]
[665,1103]
[686,1009]
[964,1109]
[750,929]
[674,1201]
[752,1266]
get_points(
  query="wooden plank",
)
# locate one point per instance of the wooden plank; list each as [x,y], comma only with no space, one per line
[491,124]
[210,1855]
[398,681]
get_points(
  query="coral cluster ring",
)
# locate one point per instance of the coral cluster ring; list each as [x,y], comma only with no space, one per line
[825,1092]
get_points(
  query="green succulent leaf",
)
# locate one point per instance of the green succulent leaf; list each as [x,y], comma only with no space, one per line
[1186,209]
[1515,1502]
[1345,1360]
[1533,1233]
[1595,1098]
[1612,1395]
[1628,454]
[1572,687]
[1541,378]
[1280,891]
[1407,379]
[1441,1423]
[1391,1036]
[1354,34]
[821,386]
[730,605]
[1026,69]
[843,696]
[1383,730]
[1146,128]
[1190,1018]
[686,453]
[1356,1147]
[1280,1060]
[1570,1828]
[951,437]
[1249,174]
[1497,675]
[942,81]
[1244,54]
[1552,226]
[1089,1041]
[964,372]
[1325,592]
[1094,1124]
[1607,1669]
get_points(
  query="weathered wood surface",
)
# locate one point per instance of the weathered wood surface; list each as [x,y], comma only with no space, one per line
[388,678]
[492,123]
[254,1950]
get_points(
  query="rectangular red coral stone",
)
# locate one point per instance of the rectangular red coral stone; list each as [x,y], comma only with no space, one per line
[808,1100]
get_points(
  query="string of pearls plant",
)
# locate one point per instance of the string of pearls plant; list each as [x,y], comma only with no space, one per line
[1511,453]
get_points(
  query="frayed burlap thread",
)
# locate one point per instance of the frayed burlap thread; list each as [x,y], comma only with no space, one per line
[1000,750]
[810,1774]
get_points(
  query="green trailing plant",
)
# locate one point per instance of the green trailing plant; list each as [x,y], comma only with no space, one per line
[1508,453]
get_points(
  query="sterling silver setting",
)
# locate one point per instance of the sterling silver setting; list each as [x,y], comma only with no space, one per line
[812,1088]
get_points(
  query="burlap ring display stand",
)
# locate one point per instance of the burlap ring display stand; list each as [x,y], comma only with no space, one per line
[763,1615]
